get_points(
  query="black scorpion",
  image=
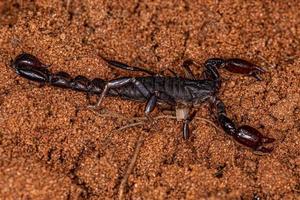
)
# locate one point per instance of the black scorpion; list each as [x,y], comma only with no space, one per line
[176,91]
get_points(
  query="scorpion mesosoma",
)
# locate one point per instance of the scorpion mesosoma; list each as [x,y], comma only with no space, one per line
[176,91]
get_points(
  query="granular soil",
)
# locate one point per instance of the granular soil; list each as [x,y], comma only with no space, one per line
[53,147]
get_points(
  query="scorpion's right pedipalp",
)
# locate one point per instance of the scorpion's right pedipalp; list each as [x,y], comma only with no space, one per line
[245,134]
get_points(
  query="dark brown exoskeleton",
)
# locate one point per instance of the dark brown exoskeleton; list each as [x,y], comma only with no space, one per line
[175,91]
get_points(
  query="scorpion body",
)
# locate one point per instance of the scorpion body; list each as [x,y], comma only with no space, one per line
[172,90]
[158,89]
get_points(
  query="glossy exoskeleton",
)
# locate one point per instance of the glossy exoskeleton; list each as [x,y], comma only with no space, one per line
[158,89]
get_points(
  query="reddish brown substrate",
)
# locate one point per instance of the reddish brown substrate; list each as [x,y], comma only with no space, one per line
[52,147]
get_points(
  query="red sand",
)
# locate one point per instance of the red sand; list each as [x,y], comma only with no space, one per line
[52,147]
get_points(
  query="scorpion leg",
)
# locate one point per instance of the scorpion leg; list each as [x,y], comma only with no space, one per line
[116,83]
[188,72]
[182,113]
[151,103]
[124,66]
[185,128]
[245,134]
[170,70]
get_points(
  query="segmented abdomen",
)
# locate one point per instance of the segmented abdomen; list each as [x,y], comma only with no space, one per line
[170,89]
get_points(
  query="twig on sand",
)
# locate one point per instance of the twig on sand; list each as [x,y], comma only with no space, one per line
[266,61]
[129,126]
[103,113]
[130,167]
[68,4]
[136,121]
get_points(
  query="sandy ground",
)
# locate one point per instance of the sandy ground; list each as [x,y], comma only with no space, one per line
[53,147]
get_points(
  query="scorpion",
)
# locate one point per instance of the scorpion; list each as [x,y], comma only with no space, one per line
[176,91]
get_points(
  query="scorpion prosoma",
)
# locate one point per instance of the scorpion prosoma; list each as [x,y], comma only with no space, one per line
[175,91]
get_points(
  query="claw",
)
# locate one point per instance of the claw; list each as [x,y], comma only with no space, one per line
[263,150]
[240,66]
[252,138]
[267,140]
[245,135]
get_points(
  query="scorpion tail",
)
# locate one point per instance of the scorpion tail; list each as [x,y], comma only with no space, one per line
[30,67]
[245,134]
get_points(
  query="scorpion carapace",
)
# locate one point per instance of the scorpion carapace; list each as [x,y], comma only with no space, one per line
[155,88]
